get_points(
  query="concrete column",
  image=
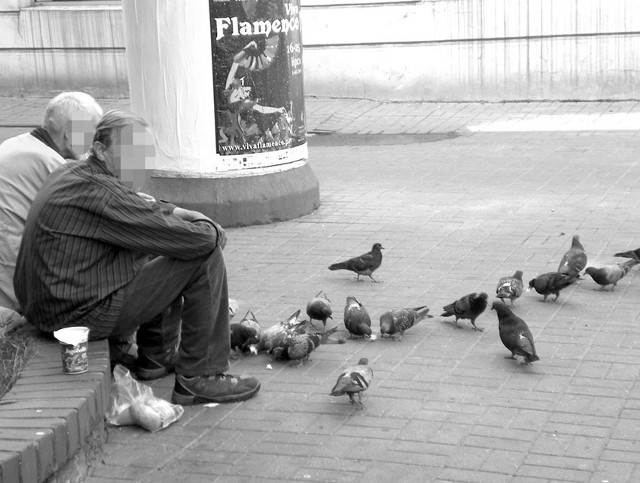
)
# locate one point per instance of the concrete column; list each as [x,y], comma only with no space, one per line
[221,84]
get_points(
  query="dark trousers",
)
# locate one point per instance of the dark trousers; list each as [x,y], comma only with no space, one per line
[181,302]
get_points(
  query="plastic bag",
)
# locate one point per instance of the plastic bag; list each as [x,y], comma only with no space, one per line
[134,403]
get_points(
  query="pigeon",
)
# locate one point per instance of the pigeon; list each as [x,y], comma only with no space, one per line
[356,318]
[468,307]
[394,323]
[364,264]
[515,334]
[319,308]
[611,274]
[629,254]
[242,337]
[298,347]
[510,287]
[574,259]
[276,335]
[551,282]
[354,380]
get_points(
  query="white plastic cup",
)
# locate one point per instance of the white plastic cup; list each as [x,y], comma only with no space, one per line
[73,343]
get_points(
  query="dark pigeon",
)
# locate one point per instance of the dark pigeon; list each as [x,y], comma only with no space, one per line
[319,308]
[364,264]
[354,380]
[242,337]
[394,323]
[551,283]
[515,334]
[356,318]
[510,287]
[468,307]
[611,274]
[574,259]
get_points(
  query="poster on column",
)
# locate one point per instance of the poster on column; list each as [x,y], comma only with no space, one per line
[258,80]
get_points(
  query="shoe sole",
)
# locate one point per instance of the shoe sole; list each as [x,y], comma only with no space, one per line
[184,400]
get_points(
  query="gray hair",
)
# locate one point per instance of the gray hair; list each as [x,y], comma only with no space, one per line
[115,119]
[61,109]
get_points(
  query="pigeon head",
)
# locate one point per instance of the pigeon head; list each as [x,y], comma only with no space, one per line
[377,246]
[532,284]
[482,296]
[363,362]
[351,300]
[518,274]
[496,305]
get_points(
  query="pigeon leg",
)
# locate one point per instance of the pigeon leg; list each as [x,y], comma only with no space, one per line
[475,327]
[351,398]
[512,356]
[511,302]
[557,295]
[373,278]
[360,403]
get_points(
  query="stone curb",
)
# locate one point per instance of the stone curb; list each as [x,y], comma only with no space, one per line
[47,417]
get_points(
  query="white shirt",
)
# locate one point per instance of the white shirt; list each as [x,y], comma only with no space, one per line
[25,163]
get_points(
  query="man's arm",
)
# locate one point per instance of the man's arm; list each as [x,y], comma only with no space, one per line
[193,216]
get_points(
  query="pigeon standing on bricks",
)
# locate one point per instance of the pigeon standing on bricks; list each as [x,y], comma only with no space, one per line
[354,380]
[356,318]
[468,307]
[364,264]
[395,322]
[574,259]
[298,347]
[611,274]
[319,308]
[515,334]
[551,283]
[510,287]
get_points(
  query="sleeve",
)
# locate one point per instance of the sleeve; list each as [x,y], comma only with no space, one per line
[131,223]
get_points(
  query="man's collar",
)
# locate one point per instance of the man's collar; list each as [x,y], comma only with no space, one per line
[42,135]
[97,166]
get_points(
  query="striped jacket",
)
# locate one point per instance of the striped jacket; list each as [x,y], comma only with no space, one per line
[86,237]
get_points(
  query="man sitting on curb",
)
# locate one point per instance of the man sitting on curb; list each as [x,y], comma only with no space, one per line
[27,160]
[87,259]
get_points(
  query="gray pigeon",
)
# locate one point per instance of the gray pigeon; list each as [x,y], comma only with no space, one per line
[364,264]
[468,307]
[394,323]
[319,308]
[574,259]
[354,380]
[515,334]
[356,318]
[611,274]
[510,287]
[629,254]
[551,282]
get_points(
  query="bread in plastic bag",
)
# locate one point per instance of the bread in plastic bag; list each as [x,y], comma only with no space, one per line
[134,403]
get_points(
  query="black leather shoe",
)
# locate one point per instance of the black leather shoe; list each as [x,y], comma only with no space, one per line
[155,366]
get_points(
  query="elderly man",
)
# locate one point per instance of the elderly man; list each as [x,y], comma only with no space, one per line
[96,254]
[27,160]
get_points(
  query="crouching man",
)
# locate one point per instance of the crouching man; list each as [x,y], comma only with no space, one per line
[96,254]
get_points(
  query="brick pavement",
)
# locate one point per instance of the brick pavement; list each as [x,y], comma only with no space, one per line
[454,213]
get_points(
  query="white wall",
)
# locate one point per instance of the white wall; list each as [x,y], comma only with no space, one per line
[411,50]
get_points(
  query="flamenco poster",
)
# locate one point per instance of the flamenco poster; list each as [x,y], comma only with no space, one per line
[257,71]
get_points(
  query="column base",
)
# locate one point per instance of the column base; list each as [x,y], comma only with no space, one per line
[244,200]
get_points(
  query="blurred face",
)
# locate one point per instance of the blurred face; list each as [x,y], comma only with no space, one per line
[79,134]
[130,155]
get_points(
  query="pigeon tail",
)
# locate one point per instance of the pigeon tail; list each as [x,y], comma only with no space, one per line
[339,266]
